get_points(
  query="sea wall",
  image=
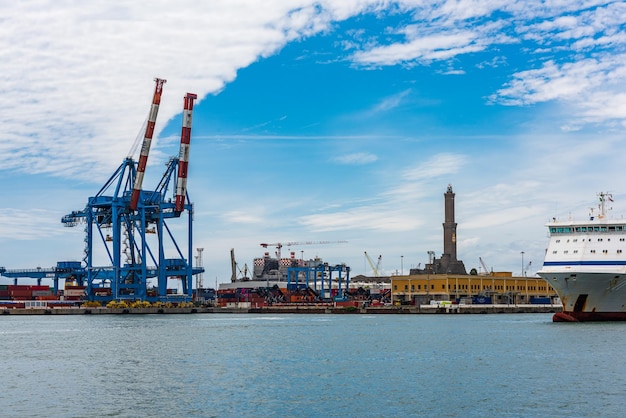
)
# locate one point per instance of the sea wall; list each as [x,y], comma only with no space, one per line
[297,309]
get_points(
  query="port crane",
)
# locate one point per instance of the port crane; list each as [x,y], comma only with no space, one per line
[485,270]
[130,212]
[279,245]
[375,268]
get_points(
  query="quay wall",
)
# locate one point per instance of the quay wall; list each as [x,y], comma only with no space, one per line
[297,309]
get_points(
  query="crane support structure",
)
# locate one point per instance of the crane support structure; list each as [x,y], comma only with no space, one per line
[183,156]
[147,141]
[122,218]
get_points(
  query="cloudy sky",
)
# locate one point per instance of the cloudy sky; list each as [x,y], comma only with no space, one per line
[318,121]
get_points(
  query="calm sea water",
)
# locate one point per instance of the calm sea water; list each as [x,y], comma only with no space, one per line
[223,365]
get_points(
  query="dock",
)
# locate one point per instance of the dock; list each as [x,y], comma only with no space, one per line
[296,309]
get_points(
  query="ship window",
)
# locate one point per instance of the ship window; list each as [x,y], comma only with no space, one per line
[553,252]
[599,239]
[565,252]
[577,229]
[567,241]
[611,228]
[603,228]
[621,239]
[552,229]
[593,251]
[618,228]
[575,251]
[619,251]
[558,240]
[596,228]
[605,251]
[576,240]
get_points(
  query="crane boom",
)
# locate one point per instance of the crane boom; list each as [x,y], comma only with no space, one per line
[482,263]
[147,141]
[371,263]
[183,156]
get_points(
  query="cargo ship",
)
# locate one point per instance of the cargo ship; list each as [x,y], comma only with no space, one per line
[585,263]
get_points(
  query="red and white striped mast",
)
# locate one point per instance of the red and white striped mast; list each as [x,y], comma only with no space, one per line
[147,141]
[183,156]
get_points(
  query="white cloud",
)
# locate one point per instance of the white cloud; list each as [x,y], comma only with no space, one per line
[438,165]
[77,79]
[593,87]
[357,158]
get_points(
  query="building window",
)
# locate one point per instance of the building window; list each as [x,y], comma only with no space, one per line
[412,288]
[395,287]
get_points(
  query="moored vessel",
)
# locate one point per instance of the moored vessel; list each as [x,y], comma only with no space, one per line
[585,263]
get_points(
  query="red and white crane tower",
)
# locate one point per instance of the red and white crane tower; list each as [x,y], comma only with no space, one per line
[183,157]
[147,141]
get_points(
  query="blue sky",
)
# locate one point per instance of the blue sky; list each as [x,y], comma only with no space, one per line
[319,122]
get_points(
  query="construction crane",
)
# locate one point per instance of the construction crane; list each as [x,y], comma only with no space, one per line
[130,213]
[279,245]
[375,268]
[485,270]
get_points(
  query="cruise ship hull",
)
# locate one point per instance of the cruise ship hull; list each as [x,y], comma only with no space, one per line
[589,296]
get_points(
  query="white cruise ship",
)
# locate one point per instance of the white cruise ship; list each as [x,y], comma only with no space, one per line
[585,263]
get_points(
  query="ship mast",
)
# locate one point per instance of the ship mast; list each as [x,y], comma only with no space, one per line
[602,206]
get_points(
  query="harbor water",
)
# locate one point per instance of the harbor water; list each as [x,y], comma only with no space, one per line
[243,365]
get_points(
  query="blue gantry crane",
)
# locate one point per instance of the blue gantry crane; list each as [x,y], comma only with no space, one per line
[131,225]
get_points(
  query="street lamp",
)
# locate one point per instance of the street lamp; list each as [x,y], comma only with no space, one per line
[402,265]
[522,264]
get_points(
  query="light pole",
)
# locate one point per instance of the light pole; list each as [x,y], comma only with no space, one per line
[522,264]
[402,265]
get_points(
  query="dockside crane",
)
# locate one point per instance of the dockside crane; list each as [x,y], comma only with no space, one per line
[485,270]
[375,268]
[130,212]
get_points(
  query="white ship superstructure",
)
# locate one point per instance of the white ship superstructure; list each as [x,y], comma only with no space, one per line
[585,263]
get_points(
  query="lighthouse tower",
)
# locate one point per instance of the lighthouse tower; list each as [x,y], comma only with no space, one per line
[448,263]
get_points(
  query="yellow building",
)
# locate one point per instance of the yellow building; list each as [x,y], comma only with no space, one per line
[501,287]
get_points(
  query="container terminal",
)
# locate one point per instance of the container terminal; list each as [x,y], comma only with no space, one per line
[128,226]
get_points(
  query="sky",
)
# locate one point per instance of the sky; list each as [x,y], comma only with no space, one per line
[337,124]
